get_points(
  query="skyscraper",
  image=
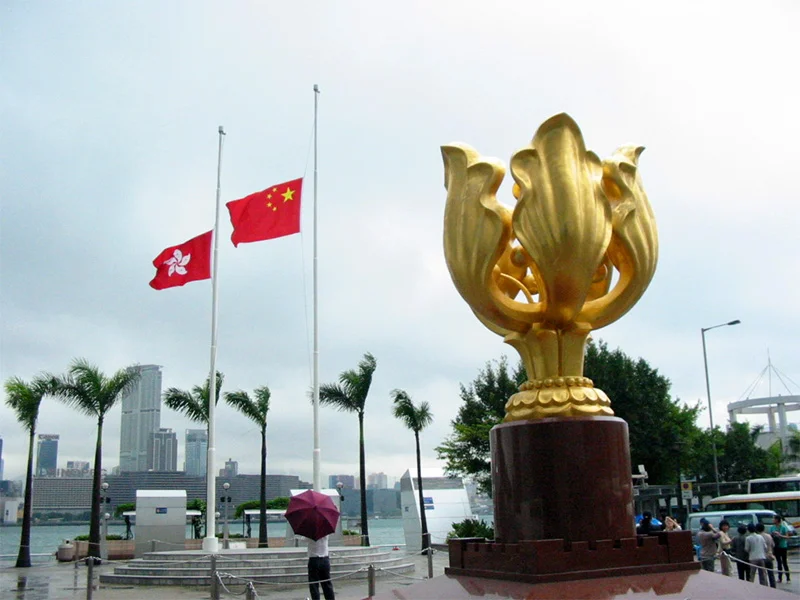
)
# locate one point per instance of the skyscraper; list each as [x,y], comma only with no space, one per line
[348,481]
[47,455]
[162,451]
[231,469]
[141,416]
[196,452]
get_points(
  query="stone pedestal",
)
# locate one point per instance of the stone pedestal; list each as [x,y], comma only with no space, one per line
[563,508]
[562,479]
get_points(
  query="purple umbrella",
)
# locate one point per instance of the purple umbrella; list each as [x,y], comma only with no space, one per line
[312,515]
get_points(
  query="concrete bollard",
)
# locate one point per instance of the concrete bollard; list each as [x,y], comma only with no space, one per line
[89,577]
[371,581]
[214,581]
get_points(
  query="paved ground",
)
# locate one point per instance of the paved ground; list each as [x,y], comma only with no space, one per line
[55,581]
[63,581]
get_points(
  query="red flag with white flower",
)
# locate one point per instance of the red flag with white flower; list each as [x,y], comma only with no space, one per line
[178,265]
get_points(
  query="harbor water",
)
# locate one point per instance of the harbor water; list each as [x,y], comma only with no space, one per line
[46,538]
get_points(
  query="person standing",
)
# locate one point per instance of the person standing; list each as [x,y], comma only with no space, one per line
[319,569]
[742,558]
[780,533]
[769,563]
[756,547]
[707,538]
[671,524]
[725,543]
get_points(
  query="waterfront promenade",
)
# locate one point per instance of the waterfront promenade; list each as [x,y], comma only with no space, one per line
[65,581]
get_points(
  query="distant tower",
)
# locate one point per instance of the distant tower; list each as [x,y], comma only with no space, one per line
[47,455]
[162,451]
[196,452]
[231,469]
[141,416]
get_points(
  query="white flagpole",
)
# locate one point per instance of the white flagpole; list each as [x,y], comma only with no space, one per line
[210,542]
[316,480]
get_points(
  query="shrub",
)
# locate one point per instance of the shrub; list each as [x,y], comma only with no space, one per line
[349,532]
[85,537]
[471,528]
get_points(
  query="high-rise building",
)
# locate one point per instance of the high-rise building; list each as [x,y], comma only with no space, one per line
[47,455]
[2,462]
[377,481]
[196,452]
[348,481]
[231,469]
[141,416]
[162,451]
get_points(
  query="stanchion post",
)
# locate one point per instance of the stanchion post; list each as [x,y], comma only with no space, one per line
[89,577]
[430,557]
[152,545]
[214,582]
[251,592]
[371,581]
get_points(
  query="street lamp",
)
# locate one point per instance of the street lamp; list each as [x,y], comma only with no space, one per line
[226,501]
[708,395]
[104,499]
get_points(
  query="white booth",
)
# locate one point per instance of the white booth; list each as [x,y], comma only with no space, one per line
[160,516]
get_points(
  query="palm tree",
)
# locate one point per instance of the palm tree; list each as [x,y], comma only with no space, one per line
[416,418]
[256,410]
[193,404]
[24,399]
[350,395]
[88,390]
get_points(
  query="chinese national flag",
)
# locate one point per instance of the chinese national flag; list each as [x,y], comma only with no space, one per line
[178,265]
[273,213]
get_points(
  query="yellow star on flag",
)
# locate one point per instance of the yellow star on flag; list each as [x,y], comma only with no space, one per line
[288,195]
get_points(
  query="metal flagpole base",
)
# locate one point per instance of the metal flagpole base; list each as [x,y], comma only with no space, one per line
[211,544]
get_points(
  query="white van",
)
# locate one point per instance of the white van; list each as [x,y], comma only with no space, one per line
[734,517]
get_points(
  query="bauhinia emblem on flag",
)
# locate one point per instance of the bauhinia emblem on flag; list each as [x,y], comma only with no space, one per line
[178,265]
[273,213]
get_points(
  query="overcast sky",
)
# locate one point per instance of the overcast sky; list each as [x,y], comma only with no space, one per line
[108,151]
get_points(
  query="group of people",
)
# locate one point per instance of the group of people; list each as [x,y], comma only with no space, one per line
[755,550]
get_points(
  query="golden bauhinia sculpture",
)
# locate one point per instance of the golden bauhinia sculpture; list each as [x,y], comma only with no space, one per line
[541,274]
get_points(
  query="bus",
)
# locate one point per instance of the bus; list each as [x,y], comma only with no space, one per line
[786,504]
[789,483]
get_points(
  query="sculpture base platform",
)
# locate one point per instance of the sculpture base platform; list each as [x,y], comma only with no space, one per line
[541,561]
[676,585]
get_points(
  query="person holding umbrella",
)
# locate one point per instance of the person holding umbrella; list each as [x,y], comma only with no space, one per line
[319,569]
[314,515]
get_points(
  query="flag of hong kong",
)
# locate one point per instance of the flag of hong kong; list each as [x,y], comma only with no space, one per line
[178,265]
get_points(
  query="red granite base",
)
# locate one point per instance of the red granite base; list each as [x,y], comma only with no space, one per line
[539,561]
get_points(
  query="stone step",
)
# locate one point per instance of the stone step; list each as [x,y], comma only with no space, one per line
[265,559]
[239,577]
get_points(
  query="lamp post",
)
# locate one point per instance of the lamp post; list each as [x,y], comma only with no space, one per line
[226,500]
[708,395]
[104,499]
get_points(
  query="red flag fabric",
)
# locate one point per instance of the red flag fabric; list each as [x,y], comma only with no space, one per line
[178,265]
[266,215]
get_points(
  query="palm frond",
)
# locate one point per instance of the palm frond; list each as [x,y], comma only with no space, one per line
[333,394]
[416,418]
[255,410]
[26,398]
[186,403]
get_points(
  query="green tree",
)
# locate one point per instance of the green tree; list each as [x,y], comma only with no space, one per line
[89,391]
[640,395]
[416,418]
[25,399]
[350,395]
[198,523]
[194,403]
[741,458]
[466,451]
[256,410]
